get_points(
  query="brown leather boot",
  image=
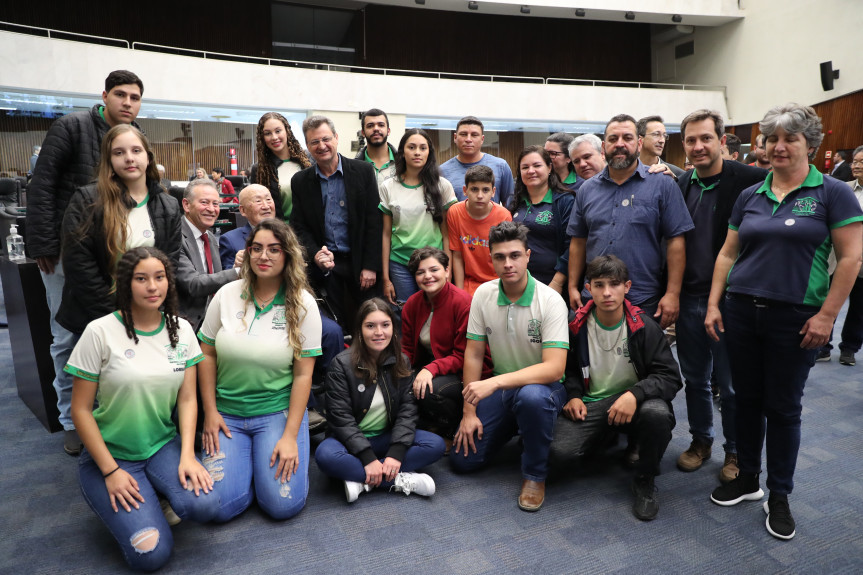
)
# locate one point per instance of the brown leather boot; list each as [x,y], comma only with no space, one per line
[532,495]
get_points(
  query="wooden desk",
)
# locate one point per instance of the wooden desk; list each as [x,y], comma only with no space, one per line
[30,338]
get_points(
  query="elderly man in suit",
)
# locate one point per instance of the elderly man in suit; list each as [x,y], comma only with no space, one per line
[256,205]
[337,220]
[200,273]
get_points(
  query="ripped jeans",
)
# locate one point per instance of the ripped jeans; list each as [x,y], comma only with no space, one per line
[241,469]
[143,534]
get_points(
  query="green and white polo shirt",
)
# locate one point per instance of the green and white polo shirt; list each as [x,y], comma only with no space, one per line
[138,383]
[413,226]
[139,228]
[255,366]
[518,332]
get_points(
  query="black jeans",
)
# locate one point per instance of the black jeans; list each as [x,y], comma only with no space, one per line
[440,410]
[650,426]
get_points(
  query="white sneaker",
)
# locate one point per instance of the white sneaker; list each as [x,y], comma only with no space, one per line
[418,483]
[353,490]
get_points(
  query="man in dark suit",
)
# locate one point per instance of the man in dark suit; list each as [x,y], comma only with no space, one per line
[200,273]
[337,220]
[710,191]
[842,170]
[256,205]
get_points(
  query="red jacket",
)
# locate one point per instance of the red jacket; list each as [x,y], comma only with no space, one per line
[448,330]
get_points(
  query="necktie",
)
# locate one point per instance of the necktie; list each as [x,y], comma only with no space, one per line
[207,255]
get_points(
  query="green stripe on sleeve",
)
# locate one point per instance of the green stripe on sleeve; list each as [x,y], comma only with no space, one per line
[476,337]
[94,377]
[384,210]
[846,222]
[206,339]
[732,227]
[560,344]
[195,360]
[311,352]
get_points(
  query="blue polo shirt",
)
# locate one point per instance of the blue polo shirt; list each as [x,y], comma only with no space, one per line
[547,245]
[454,170]
[630,220]
[783,246]
[335,202]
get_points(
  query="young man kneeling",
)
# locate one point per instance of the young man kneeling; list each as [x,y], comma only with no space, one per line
[524,323]
[622,376]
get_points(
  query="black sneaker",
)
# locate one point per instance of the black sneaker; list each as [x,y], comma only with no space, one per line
[646,504]
[846,358]
[744,487]
[72,443]
[780,523]
[823,355]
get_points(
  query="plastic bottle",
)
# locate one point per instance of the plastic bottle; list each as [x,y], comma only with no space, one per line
[15,244]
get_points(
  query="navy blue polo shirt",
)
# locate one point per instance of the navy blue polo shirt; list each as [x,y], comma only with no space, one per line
[783,246]
[629,221]
[544,237]
[698,275]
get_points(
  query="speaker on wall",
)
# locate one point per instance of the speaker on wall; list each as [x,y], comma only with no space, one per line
[828,74]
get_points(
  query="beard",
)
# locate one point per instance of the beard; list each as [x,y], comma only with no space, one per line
[620,163]
[371,144]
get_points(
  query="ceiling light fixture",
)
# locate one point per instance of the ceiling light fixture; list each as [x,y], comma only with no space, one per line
[580,12]
[525,9]
[677,18]
[629,15]
[473,5]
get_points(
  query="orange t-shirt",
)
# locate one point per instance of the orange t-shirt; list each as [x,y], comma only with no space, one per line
[470,237]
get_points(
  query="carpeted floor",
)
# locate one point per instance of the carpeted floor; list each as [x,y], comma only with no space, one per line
[472,525]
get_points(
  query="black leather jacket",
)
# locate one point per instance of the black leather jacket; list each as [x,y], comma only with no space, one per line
[348,403]
[87,292]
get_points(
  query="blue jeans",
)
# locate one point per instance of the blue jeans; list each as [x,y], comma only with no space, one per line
[403,281]
[241,469]
[143,534]
[531,410]
[698,354]
[335,461]
[332,344]
[769,370]
[61,348]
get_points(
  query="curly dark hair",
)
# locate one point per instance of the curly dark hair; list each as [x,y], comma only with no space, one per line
[266,172]
[126,270]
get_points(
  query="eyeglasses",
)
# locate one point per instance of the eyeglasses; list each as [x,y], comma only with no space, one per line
[554,154]
[325,140]
[658,135]
[857,163]
[272,251]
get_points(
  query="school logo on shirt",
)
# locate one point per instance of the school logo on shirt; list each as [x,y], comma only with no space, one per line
[177,355]
[279,320]
[544,217]
[804,207]
[534,327]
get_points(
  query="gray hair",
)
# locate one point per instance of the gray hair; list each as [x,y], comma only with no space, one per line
[794,119]
[315,122]
[562,138]
[591,139]
[857,150]
[189,192]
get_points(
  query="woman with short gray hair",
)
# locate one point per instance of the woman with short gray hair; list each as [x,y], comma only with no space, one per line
[779,303]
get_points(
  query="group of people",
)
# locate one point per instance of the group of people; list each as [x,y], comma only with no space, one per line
[477,306]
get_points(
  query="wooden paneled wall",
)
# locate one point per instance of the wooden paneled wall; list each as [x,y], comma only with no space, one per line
[477,43]
[842,120]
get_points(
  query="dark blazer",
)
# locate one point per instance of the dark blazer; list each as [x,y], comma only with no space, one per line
[735,178]
[843,172]
[365,222]
[194,284]
[231,242]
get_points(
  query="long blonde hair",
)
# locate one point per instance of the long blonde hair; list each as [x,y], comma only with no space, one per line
[293,278]
[114,199]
